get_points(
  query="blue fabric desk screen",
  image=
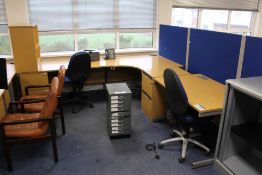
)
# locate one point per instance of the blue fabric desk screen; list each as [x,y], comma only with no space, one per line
[252,63]
[214,54]
[173,43]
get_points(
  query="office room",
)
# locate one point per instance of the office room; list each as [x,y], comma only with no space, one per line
[130,87]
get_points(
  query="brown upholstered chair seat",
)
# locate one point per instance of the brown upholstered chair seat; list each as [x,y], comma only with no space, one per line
[34,107]
[24,130]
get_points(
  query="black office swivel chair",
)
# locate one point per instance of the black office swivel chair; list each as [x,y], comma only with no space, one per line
[178,104]
[77,73]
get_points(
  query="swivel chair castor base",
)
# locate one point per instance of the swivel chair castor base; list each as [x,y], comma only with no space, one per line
[185,140]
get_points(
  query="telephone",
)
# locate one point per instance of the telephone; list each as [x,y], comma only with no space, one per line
[110,54]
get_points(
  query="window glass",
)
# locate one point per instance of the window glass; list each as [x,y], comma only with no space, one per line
[98,41]
[56,43]
[241,19]
[184,17]
[136,40]
[214,19]
[4,38]
[5,45]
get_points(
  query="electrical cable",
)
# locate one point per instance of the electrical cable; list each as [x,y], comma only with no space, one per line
[152,147]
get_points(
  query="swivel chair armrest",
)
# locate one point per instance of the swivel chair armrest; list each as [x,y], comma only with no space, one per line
[34,87]
[16,122]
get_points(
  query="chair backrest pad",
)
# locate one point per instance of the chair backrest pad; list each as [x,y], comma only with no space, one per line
[50,103]
[79,67]
[176,95]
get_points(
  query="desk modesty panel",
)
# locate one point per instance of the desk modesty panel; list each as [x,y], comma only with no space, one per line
[204,94]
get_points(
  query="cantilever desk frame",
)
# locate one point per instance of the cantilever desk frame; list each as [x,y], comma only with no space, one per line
[208,90]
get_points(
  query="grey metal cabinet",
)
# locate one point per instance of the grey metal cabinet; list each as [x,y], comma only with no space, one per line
[239,145]
[118,109]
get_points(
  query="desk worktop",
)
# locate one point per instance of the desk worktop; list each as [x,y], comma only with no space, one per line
[152,65]
[204,94]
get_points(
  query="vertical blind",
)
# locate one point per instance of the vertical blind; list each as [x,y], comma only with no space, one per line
[68,15]
[249,5]
[3,20]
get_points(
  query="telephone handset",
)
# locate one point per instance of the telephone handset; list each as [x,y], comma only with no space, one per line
[110,53]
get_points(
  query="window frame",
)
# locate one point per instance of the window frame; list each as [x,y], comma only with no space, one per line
[117,32]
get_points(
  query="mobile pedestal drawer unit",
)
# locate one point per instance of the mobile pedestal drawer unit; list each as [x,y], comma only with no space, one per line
[118,109]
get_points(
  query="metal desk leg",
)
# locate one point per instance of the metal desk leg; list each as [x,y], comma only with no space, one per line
[202,163]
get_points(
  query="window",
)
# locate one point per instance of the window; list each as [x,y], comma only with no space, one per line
[185,17]
[94,24]
[4,38]
[96,41]
[238,22]
[136,40]
[56,43]
[5,45]
[214,19]
[241,20]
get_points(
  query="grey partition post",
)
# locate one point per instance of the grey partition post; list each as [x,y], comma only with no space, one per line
[241,57]
[187,49]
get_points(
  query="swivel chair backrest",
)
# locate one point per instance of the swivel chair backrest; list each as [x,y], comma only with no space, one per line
[79,67]
[176,95]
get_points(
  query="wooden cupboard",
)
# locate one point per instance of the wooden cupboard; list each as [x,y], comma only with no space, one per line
[25,45]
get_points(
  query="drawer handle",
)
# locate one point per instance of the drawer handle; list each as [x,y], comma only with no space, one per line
[117,97]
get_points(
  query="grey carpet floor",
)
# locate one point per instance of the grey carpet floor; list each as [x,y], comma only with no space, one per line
[86,149]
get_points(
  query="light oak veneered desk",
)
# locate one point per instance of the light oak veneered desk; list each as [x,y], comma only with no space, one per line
[152,69]
[152,65]
[152,100]
[204,94]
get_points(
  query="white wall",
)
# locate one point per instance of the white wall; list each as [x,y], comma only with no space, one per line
[164,15]
[165,11]
[16,11]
